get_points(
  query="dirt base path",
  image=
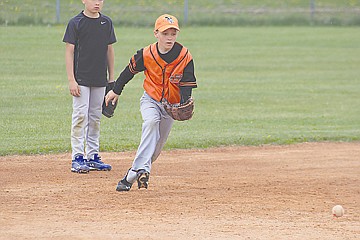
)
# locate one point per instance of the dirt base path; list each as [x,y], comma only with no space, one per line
[268,192]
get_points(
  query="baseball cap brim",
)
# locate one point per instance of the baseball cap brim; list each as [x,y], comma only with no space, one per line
[164,28]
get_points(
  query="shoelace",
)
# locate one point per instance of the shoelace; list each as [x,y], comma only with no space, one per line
[97,159]
[80,161]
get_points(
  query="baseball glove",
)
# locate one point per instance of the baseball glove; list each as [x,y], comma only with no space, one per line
[180,112]
[108,111]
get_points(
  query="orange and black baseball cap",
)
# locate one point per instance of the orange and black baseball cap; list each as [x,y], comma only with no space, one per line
[165,22]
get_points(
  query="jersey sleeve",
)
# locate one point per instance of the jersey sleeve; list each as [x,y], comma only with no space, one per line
[135,66]
[70,35]
[188,79]
[112,38]
[187,83]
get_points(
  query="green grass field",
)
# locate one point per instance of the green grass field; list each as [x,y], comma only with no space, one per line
[264,85]
[200,12]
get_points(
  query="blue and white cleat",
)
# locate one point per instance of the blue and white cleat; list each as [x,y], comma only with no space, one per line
[79,165]
[97,164]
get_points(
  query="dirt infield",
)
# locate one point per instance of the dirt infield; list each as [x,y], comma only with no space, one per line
[268,192]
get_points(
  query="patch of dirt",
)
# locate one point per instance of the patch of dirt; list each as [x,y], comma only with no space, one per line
[267,192]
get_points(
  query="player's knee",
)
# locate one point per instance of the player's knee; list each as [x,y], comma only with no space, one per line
[151,123]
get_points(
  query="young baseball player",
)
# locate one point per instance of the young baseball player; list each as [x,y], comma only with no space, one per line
[89,58]
[169,75]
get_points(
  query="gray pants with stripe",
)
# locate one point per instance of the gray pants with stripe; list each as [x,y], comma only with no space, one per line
[155,131]
[85,129]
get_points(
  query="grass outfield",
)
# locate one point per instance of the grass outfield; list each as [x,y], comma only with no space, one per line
[265,85]
[200,12]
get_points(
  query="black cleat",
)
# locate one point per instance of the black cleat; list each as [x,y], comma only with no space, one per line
[123,185]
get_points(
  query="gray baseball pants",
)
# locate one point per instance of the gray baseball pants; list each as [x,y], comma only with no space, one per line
[155,131]
[85,129]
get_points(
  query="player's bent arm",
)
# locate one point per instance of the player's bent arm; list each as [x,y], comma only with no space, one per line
[185,93]
[125,76]
[111,62]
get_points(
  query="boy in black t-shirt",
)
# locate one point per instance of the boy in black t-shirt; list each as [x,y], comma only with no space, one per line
[89,58]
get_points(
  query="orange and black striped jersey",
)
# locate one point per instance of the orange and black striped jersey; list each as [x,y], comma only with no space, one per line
[165,74]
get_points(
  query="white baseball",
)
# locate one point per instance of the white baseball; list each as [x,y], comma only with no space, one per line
[338,211]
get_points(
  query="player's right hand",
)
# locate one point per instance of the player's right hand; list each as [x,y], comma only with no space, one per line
[74,89]
[111,97]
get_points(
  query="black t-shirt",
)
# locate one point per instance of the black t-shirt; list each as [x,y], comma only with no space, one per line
[91,37]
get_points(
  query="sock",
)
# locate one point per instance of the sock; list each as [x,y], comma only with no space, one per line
[131,176]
